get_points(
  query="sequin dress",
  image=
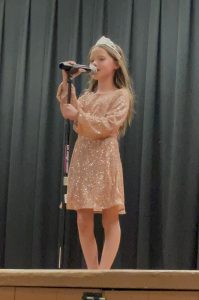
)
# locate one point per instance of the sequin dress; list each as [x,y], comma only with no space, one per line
[95,178]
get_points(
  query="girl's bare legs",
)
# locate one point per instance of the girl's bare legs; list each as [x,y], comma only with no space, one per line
[112,234]
[85,223]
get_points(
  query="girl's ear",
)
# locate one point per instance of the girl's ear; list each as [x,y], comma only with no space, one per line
[116,65]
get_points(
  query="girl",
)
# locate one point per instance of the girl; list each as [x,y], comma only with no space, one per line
[95,181]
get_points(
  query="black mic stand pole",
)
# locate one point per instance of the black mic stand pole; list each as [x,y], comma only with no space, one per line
[65,167]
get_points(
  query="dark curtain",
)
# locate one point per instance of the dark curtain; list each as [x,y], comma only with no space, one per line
[160,151]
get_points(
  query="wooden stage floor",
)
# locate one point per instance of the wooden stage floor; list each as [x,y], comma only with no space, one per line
[111,284]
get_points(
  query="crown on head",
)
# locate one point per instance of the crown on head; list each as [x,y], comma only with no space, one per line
[106,41]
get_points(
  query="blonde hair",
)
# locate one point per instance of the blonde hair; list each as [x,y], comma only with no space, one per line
[121,79]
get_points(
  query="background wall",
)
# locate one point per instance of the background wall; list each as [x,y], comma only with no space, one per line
[160,151]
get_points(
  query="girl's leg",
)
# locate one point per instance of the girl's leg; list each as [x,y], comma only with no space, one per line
[112,233]
[85,223]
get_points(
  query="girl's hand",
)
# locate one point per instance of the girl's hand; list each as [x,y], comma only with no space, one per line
[64,73]
[62,91]
[69,112]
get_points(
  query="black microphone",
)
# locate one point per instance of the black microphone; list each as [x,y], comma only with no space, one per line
[74,68]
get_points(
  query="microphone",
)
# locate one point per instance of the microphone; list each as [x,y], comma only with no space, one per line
[74,68]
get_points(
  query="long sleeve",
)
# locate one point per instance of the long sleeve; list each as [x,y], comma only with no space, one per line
[100,127]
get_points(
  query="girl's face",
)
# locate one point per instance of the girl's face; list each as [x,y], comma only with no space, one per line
[104,63]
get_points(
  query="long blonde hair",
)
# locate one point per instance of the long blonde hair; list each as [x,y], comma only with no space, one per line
[121,79]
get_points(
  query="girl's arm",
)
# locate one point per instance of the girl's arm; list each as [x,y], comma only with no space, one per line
[95,127]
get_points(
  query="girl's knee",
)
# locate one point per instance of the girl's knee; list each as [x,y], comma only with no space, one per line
[84,220]
[110,218]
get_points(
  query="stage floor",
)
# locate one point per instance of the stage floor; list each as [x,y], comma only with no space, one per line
[113,284]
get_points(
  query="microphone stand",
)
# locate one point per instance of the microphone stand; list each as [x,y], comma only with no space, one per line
[65,168]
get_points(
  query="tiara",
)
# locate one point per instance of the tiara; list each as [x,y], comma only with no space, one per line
[106,41]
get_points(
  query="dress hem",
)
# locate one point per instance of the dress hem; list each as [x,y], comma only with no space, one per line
[121,210]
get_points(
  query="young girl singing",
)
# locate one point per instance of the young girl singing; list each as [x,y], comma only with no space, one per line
[95,181]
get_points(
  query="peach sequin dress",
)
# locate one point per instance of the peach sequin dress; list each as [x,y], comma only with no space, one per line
[95,178]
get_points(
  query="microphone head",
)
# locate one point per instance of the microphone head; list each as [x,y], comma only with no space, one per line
[93,69]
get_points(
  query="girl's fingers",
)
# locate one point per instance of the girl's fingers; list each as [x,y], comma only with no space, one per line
[59,92]
[64,77]
[64,73]
[71,62]
[63,87]
[79,72]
